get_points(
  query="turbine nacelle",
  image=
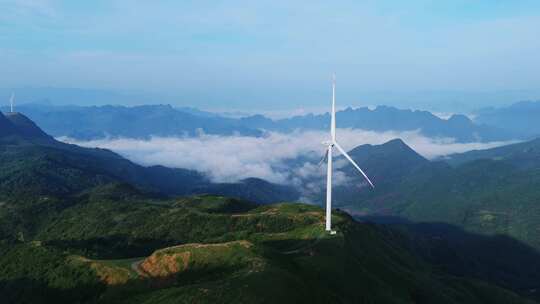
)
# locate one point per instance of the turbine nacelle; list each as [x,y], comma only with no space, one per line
[328,143]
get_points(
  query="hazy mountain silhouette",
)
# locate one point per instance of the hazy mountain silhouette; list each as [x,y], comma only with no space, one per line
[161,120]
[133,122]
[384,118]
[524,155]
[522,117]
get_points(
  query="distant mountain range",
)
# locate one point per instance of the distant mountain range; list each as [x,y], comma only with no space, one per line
[31,161]
[93,122]
[471,190]
[133,122]
[525,155]
[384,118]
[80,225]
[521,118]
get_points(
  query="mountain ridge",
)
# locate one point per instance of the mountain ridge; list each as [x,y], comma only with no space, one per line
[492,191]
[93,122]
[26,127]
[81,234]
[30,158]
[520,117]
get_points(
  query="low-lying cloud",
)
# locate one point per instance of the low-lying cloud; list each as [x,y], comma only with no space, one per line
[232,158]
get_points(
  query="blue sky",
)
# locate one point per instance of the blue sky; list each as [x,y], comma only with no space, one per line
[277,54]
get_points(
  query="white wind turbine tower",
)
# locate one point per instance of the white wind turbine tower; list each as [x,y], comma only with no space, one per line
[11,101]
[330,145]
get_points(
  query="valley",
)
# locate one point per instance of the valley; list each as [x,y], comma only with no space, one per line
[269,152]
[88,226]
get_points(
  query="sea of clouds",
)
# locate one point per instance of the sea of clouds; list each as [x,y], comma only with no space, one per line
[232,158]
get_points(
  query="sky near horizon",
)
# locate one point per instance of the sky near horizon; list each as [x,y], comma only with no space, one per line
[277,54]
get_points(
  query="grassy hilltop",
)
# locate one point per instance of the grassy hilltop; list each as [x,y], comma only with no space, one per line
[117,245]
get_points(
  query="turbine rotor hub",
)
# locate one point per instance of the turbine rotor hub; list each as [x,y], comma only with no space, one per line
[328,143]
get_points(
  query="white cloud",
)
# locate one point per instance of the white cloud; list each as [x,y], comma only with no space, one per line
[230,158]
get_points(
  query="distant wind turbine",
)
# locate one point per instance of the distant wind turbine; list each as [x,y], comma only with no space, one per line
[11,101]
[330,145]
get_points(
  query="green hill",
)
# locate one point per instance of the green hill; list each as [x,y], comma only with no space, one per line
[33,163]
[495,191]
[26,127]
[523,155]
[114,245]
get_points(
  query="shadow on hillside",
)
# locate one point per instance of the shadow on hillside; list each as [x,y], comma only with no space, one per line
[30,291]
[26,290]
[497,259]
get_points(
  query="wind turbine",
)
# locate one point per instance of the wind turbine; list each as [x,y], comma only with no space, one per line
[11,101]
[330,145]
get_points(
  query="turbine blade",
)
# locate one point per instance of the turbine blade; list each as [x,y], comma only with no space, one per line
[324,158]
[11,101]
[354,164]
